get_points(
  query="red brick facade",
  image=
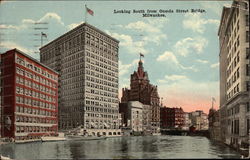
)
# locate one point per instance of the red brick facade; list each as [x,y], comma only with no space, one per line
[29,97]
[172,118]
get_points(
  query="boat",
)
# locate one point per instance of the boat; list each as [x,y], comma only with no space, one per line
[82,137]
[52,138]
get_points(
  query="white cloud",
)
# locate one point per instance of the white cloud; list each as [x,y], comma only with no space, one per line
[157,39]
[186,45]
[11,45]
[73,25]
[196,23]
[151,29]
[170,57]
[26,22]
[202,61]
[125,68]
[215,65]
[129,43]
[167,56]
[3,26]
[142,27]
[175,77]
[151,26]
[50,16]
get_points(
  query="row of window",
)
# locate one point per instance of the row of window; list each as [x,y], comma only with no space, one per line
[235,90]
[112,58]
[36,69]
[233,64]
[35,129]
[101,99]
[75,41]
[26,119]
[105,110]
[34,94]
[103,82]
[234,110]
[102,104]
[32,102]
[101,115]
[35,78]
[235,127]
[36,111]
[104,74]
[107,42]
[233,78]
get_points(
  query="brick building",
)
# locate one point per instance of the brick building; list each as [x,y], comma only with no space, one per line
[172,118]
[141,90]
[29,92]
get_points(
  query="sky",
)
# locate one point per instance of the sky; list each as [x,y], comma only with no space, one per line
[181,50]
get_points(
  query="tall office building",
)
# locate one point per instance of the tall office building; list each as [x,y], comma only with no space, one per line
[234,73]
[29,97]
[87,61]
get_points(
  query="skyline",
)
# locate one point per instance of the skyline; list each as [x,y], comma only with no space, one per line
[188,51]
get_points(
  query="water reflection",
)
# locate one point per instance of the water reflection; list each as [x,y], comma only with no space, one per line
[148,147]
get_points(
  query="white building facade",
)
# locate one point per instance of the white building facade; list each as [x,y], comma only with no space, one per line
[87,61]
[135,111]
[234,73]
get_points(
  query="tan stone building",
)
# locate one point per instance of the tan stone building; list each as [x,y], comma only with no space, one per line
[234,73]
[199,120]
[87,61]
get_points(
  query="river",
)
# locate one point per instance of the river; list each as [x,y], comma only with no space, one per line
[147,147]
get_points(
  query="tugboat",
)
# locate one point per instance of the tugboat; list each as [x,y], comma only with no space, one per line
[81,134]
[60,137]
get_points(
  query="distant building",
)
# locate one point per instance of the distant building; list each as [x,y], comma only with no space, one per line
[141,90]
[214,124]
[87,61]
[132,113]
[172,118]
[234,73]
[29,92]
[199,120]
[147,119]
[187,121]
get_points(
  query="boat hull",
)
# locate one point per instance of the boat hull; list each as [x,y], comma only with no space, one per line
[80,138]
[51,139]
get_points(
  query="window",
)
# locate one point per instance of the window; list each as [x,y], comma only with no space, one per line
[247,53]
[247,70]
[248,125]
[247,36]
[247,20]
[247,107]
[247,86]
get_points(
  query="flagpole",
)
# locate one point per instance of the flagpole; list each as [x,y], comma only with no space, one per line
[85,13]
[41,39]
